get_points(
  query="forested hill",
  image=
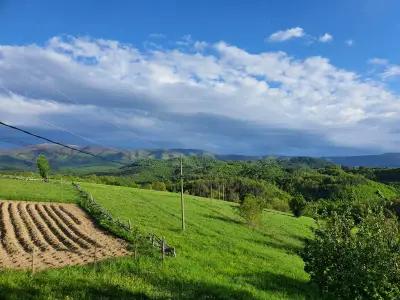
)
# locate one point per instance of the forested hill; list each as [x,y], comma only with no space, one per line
[275,180]
[61,158]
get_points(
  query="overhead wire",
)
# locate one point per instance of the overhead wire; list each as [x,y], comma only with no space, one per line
[60,144]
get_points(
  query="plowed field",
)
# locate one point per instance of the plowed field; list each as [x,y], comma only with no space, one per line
[50,235]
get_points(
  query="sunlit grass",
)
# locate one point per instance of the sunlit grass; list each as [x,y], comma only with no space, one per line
[218,257]
[37,190]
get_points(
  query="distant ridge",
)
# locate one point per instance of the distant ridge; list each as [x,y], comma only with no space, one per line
[61,158]
[386,160]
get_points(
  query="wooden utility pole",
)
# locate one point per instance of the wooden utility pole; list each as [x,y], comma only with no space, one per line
[182,203]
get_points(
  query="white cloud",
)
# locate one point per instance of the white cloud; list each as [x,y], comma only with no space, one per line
[224,98]
[378,61]
[349,42]
[325,38]
[385,68]
[284,35]
[200,45]
[391,71]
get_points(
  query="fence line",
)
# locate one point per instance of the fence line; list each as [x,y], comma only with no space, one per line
[99,212]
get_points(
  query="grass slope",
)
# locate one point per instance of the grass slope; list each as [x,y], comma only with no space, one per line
[37,190]
[217,257]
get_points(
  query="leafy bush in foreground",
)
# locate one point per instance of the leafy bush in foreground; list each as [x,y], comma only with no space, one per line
[251,210]
[394,207]
[361,262]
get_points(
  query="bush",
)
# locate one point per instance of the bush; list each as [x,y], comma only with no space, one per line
[43,167]
[297,205]
[394,207]
[147,186]
[159,186]
[278,204]
[349,262]
[251,210]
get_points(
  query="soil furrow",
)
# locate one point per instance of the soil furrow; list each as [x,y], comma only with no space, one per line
[64,228]
[19,230]
[9,240]
[2,226]
[74,228]
[25,226]
[33,232]
[54,228]
[71,215]
[43,228]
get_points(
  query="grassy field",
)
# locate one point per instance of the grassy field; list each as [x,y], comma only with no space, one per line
[37,190]
[218,257]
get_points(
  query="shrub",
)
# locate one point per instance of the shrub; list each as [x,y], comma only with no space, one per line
[251,210]
[297,205]
[43,167]
[349,262]
[159,186]
[394,207]
[147,186]
[278,204]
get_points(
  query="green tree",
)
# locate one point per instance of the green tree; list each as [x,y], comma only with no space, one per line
[43,167]
[355,262]
[251,210]
[297,205]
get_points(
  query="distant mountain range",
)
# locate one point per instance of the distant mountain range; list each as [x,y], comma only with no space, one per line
[386,160]
[62,158]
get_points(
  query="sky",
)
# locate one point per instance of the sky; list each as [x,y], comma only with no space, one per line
[313,78]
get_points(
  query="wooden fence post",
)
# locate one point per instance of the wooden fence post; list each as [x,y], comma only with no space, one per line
[162,248]
[95,254]
[135,252]
[33,260]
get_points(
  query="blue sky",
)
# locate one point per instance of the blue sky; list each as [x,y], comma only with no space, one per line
[252,77]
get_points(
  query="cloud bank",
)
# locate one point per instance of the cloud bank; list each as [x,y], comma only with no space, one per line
[216,97]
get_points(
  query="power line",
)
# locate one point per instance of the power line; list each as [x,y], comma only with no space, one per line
[60,144]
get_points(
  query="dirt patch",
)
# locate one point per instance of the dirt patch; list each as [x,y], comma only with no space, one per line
[51,235]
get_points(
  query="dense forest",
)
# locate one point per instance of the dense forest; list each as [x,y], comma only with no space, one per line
[323,186]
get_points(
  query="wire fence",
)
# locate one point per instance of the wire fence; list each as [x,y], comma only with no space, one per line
[121,228]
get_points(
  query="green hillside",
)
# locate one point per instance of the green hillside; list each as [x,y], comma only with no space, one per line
[37,190]
[218,257]
[69,161]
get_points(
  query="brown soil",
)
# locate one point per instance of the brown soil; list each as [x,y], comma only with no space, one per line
[51,235]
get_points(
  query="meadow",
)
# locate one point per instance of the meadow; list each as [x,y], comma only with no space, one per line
[37,190]
[218,256]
